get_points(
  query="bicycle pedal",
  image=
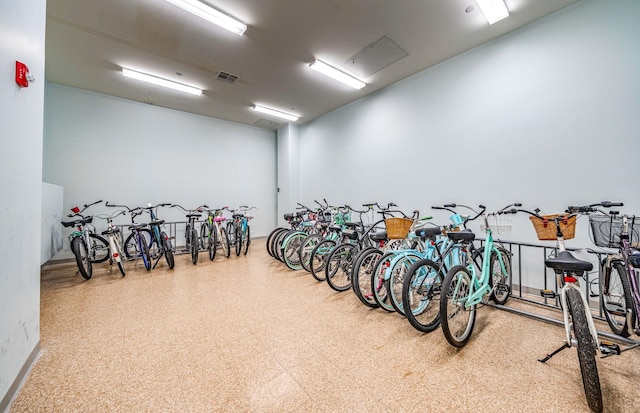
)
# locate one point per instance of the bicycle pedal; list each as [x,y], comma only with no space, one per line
[608,348]
[502,288]
[548,294]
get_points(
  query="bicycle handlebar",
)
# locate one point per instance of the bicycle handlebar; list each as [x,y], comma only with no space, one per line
[585,209]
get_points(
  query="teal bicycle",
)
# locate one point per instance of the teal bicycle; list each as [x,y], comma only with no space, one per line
[463,289]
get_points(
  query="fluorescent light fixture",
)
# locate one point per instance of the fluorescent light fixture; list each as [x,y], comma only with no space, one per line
[211,15]
[493,10]
[276,113]
[336,74]
[161,81]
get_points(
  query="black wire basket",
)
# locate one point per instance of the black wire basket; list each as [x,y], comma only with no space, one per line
[606,230]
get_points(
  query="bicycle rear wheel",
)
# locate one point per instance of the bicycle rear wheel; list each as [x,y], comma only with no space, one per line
[168,250]
[238,239]
[98,248]
[269,238]
[500,280]
[457,320]
[421,295]
[82,258]
[398,271]
[616,299]
[379,284]
[338,268]
[291,249]
[361,276]
[318,258]
[586,350]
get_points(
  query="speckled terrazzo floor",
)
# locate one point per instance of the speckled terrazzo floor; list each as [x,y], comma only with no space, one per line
[246,334]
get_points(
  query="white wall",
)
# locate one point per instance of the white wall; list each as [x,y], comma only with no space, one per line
[51,237]
[548,116]
[22,35]
[102,147]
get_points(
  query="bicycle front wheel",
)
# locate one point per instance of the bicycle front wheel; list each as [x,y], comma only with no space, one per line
[318,258]
[308,244]
[82,258]
[379,284]
[586,350]
[238,238]
[213,242]
[616,298]
[194,246]
[420,295]
[398,272]
[456,318]
[291,250]
[338,268]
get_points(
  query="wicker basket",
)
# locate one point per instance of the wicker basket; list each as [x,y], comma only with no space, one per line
[546,228]
[398,228]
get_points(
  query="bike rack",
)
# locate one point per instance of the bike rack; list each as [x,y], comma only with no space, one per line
[516,249]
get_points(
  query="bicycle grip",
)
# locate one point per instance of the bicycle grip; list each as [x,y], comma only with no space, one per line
[608,204]
[449,206]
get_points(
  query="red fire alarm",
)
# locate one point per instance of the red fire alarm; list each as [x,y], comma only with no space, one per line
[23,77]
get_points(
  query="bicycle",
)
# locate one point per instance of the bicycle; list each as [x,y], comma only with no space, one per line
[463,288]
[240,228]
[357,238]
[115,240]
[574,304]
[213,233]
[87,246]
[620,293]
[192,240]
[136,245]
[159,242]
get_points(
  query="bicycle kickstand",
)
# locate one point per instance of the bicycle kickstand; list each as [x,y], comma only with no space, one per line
[548,356]
[156,263]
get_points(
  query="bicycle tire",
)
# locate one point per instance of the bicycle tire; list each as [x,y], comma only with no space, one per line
[277,244]
[224,240]
[318,258]
[269,239]
[82,258]
[213,242]
[361,276]
[616,299]
[421,295]
[395,282]
[291,250]
[205,234]
[457,281]
[194,247]
[132,248]
[499,282]
[99,250]
[168,250]
[586,350]
[121,268]
[378,284]
[247,240]
[306,248]
[339,265]
[231,232]
[238,238]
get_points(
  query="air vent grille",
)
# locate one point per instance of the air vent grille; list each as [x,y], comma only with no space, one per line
[227,77]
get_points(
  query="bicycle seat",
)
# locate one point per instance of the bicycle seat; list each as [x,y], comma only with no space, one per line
[219,219]
[378,236]
[565,261]
[335,228]
[350,234]
[137,226]
[288,216]
[238,215]
[82,221]
[430,232]
[465,235]
[351,224]
[193,216]
[111,231]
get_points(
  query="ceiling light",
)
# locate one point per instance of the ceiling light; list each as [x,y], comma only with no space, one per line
[276,113]
[161,81]
[493,10]
[212,15]
[336,74]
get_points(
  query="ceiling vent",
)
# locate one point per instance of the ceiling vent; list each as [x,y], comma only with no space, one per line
[227,77]
[266,124]
[375,57]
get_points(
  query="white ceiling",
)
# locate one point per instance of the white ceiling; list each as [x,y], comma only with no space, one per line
[89,41]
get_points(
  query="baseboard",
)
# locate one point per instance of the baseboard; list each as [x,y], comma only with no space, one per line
[17,383]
